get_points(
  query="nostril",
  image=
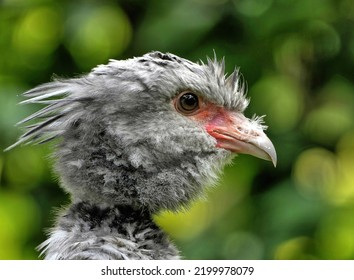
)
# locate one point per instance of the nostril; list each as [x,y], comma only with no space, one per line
[243,130]
[255,133]
[251,132]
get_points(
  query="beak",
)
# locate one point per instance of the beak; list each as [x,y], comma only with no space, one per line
[236,133]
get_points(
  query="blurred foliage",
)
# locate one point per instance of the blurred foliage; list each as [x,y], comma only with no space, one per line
[297,58]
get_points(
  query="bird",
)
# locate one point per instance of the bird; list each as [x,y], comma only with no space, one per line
[135,137]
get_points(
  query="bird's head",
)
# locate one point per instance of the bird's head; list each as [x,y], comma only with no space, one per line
[149,131]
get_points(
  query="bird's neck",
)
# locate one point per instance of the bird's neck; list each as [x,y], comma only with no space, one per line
[87,231]
[103,167]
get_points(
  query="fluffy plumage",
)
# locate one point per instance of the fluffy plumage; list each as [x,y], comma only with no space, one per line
[125,152]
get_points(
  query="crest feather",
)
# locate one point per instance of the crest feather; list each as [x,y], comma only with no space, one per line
[61,98]
[233,82]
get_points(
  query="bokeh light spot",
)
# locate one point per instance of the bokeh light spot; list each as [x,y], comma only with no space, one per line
[280,99]
[291,53]
[170,27]
[294,249]
[38,32]
[326,123]
[19,218]
[98,34]
[186,225]
[315,173]
[325,39]
[335,235]
[210,2]
[333,114]
[344,192]
[244,246]
[29,163]
[252,8]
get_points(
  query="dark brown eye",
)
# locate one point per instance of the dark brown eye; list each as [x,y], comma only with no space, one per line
[187,103]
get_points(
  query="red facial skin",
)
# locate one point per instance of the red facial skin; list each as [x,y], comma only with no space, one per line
[233,131]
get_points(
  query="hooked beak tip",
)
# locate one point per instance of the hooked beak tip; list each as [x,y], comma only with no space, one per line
[272,155]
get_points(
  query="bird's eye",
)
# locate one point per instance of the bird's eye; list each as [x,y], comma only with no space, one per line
[187,103]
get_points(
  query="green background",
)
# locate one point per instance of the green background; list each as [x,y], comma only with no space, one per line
[297,57]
